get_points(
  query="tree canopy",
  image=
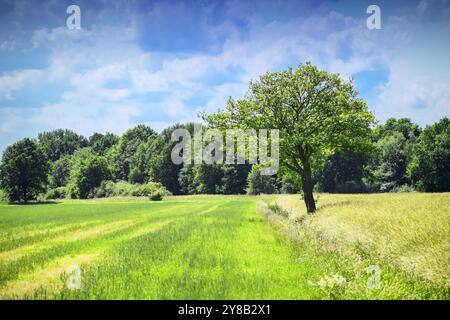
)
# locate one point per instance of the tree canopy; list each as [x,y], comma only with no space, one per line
[430,167]
[23,170]
[161,167]
[128,145]
[87,173]
[404,126]
[61,142]
[315,111]
[101,143]
[60,171]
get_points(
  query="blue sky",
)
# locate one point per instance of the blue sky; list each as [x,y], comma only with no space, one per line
[161,62]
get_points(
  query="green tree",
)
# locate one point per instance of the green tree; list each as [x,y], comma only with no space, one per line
[161,167]
[128,144]
[186,179]
[289,184]
[87,173]
[258,183]
[101,143]
[393,144]
[394,155]
[342,172]
[405,126]
[212,179]
[316,113]
[429,168]
[208,178]
[61,142]
[23,170]
[140,162]
[234,178]
[60,171]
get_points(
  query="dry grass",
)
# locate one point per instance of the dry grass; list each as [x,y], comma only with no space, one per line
[406,231]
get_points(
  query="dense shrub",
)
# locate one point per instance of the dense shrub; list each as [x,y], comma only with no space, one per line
[113,189]
[146,190]
[56,193]
[142,190]
[157,194]
[125,189]
[403,188]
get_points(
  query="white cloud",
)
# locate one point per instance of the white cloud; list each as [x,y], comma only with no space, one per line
[222,93]
[15,81]
[11,119]
[83,118]
[89,60]
[424,99]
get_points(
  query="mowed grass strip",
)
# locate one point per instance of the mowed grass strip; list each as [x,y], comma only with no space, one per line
[15,239]
[228,252]
[101,218]
[92,229]
[35,257]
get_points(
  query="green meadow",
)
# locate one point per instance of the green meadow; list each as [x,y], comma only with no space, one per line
[223,247]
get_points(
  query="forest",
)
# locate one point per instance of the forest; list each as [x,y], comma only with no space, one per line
[403,157]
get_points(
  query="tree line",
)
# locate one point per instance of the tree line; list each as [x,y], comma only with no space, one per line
[329,143]
[403,157]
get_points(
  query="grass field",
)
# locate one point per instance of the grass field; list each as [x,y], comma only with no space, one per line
[192,248]
[220,247]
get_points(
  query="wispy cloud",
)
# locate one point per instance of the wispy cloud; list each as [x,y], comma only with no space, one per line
[119,70]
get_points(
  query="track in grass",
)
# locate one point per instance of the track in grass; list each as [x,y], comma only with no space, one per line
[200,248]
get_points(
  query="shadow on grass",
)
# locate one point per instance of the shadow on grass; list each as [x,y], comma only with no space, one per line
[344,203]
[335,204]
[32,203]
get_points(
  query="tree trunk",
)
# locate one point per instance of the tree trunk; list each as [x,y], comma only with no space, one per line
[307,186]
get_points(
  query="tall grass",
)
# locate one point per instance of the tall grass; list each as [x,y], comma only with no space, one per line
[406,234]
